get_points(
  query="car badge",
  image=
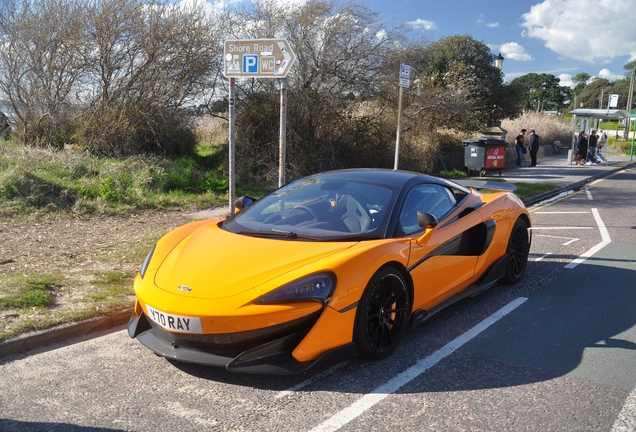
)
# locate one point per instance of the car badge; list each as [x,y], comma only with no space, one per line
[185,288]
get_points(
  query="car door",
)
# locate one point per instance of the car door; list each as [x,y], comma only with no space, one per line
[438,264]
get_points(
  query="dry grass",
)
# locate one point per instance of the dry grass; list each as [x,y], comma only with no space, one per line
[212,130]
[550,129]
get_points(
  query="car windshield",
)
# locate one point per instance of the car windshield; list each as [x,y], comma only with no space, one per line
[317,209]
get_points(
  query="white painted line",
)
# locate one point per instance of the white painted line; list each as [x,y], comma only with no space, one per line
[560,228]
[556,237]
[576,212]
[588,193]
[543,256]
[570,239]
[391,386]
[305,383]
[626,421]
[605,240]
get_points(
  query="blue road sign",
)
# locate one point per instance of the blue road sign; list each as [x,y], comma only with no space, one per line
[250,63]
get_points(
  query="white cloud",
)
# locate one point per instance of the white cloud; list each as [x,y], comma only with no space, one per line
[423,24]
[588,30]
[481,21]
[608,75]
[514,51]
[566,80]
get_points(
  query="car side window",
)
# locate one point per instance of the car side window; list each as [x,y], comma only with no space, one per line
[431,198]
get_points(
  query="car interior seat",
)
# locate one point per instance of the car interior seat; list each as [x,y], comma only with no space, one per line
[355,217]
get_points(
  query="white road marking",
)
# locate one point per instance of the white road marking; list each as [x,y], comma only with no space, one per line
[576,212]
[626,421]
[544,256]
[560,228]
[588,193]
[570,239]
[391,386]
[605,240]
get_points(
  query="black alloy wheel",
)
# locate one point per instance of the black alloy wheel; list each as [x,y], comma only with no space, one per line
[518,250]
[382,315]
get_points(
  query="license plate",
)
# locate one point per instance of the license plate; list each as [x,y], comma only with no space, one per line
[176,323]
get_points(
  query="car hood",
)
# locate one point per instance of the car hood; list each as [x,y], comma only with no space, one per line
[211,263]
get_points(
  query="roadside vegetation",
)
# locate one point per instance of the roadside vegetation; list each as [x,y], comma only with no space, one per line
[38,182]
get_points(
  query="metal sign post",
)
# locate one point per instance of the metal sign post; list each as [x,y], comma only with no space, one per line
[259,58]
[282,133]
[231,191]
[405,81]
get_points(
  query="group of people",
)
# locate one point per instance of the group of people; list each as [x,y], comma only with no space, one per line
[586,150]
[521,148]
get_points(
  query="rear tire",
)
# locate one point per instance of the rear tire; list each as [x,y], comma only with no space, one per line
[518,250]
[382,316]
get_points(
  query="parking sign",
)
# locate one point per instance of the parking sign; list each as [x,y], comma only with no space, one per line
[405,76]
[250,64]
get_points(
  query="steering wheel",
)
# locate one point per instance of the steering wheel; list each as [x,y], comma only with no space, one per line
[308,210]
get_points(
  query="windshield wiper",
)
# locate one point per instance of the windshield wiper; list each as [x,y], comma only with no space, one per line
[285,235]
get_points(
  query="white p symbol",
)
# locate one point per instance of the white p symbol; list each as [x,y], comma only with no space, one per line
[250,64]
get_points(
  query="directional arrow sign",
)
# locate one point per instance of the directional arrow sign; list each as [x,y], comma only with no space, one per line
[257,58]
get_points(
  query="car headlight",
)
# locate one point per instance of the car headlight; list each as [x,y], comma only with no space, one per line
[316,287]
[144,266]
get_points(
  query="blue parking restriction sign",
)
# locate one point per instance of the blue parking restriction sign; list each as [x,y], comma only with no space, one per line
[405,76]
[250,63]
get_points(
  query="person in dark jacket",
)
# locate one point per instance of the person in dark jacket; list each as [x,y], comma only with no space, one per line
[534,148]
[519,145]
[581,149]
[591,144]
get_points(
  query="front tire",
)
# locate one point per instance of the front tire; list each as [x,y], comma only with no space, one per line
[518,250]
[382,315]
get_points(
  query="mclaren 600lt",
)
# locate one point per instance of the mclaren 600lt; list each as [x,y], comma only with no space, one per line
[330,266]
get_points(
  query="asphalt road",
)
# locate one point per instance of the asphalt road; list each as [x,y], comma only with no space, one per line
[554,352]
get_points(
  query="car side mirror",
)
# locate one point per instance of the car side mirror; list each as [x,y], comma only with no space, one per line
[241,202]
[428,222]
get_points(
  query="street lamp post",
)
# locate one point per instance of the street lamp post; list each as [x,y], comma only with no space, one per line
[499,61]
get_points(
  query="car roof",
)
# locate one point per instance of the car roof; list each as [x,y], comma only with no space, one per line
[378,175]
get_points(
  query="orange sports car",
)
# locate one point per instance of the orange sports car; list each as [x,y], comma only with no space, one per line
[330,266]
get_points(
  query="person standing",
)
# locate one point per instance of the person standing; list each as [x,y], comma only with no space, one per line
[581,149]
[592,140]
[534,148]
[519,146]
[600,143]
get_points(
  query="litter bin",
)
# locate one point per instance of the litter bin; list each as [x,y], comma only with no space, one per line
[484,154]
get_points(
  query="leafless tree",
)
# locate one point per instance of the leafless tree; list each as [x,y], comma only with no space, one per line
[145,60]
[115,73]
[39,64]
[341,48]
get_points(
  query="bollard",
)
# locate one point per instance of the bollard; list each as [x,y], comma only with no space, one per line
[570,157]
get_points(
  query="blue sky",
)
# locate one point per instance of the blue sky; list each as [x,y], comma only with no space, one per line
[559,37]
